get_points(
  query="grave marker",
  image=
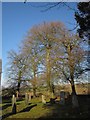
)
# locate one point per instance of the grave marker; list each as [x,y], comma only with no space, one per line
[13,104]
[29,96]
[26,98]
[43,99]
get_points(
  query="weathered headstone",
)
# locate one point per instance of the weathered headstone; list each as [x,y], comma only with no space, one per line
[43,99]
[13,104]
[62,97]
[13,100]
[29,96]
[26,98]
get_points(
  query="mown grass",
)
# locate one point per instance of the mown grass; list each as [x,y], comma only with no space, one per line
[36,109]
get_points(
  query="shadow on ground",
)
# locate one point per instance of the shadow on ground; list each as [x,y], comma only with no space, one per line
[7,105]
[27,109]
[63,111]
[66,111]
[7,115]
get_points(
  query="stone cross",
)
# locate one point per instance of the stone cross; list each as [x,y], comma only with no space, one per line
[43,99]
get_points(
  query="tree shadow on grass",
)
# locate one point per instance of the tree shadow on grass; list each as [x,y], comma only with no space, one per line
[27,109]
[29,103]
[7,105]
[7,115]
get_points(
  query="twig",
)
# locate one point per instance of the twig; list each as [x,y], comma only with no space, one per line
[74,28]
[25,1]
[50,7]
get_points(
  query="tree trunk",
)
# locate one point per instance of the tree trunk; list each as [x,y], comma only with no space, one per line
[17,94]
[19,82]
[34,92]
[34,82]
[48,66]
[74,96]
[53,88]
[18,89]
[73,87]
[72,69]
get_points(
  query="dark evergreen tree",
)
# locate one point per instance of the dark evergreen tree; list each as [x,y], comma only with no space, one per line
[83,19]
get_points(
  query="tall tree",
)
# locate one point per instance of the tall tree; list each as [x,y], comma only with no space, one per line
[48,35]
[83,19]
[16,68]
[30,48]
[70,63]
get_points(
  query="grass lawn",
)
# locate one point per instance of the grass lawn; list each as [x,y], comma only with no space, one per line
[36,109]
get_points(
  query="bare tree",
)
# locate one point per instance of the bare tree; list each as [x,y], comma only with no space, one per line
[30,48]
[48,35]
[70,65]
[48,48]
[16,68]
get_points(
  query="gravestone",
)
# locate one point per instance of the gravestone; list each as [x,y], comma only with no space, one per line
[43,99]
[13,104]
[13,100]
[26,98]
[62,97]
[29,96]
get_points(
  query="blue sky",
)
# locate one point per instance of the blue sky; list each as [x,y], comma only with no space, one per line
[18,18]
